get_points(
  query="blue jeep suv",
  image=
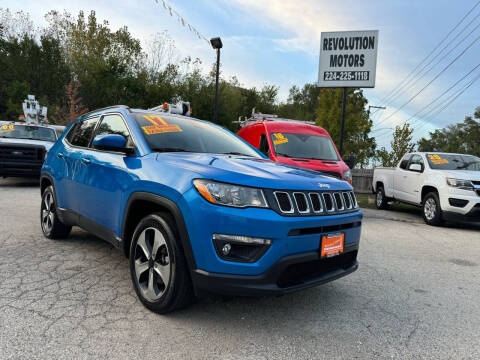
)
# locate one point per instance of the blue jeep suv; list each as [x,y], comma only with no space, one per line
[195,208]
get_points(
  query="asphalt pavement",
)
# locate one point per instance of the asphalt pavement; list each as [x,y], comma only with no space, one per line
[415,295]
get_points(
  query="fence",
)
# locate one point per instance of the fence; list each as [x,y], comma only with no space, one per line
[362,180]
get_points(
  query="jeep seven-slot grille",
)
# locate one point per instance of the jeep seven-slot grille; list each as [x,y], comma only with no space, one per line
[300,203]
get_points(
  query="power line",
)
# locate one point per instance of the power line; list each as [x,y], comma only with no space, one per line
[435,78]
[445,92]
[433,50]
[420,76]
[437,111]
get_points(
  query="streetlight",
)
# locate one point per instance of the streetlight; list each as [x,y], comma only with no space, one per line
[217,45]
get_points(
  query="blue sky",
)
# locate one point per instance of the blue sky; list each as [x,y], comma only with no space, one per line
[277,42]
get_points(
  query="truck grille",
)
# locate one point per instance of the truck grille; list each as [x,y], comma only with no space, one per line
[21,153]
[300,203]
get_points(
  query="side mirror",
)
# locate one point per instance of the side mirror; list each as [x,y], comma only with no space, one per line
[111,142]
[415,167]
[350,161]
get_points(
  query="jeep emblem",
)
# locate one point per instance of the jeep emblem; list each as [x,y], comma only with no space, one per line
[323,186]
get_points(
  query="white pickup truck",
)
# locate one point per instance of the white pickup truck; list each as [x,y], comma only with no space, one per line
[447,186]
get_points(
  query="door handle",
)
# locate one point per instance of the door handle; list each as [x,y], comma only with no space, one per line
[60,155]
[86,161]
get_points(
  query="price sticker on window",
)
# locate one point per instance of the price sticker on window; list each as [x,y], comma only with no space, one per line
[279,139]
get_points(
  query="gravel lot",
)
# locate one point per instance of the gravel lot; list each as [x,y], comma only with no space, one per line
[416,295]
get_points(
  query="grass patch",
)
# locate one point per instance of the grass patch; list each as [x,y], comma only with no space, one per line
[368,201]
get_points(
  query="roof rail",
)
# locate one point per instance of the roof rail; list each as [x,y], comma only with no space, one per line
[106,108]
[256,117]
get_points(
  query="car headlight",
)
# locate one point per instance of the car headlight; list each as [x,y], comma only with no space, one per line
[229,194]
[460,184]
[347,175]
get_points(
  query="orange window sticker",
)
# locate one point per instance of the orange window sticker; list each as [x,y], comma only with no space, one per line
[7,127]
[279,139]
[437,159]
[159,125]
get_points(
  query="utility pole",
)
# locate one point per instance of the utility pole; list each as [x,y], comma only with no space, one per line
[342,128]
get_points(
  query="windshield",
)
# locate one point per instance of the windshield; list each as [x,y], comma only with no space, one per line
[14,131]
[165,133]
[453,162]
[304,146]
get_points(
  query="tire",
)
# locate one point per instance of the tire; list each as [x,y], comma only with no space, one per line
[381,201]
[52,227]
[158,268]
[432,212]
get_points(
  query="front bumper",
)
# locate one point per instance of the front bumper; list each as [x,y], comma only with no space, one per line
[470,211]
[295,245]
[292,273]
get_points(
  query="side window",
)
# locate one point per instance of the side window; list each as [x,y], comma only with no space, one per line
[404,163]
[70,134]
[114,124]
[417,159]
[264,145]
[82,133]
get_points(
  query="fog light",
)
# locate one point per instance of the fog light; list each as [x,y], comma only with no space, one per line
[240,248]
[226,249]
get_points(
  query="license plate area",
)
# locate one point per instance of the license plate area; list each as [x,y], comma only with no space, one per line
[332,245]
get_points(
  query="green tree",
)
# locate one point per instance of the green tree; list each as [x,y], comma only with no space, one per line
[357,123]
[458,138]
[301,104]
[401,145]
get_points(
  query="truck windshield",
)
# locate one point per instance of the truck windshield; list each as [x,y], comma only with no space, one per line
[165,133]
[30,132]
[453,162]
[304,146]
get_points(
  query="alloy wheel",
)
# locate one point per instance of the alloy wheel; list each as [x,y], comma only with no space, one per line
[48,213]
[152,264]
[379,198]
[430,208]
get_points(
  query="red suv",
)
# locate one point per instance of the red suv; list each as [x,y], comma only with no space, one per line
[297,143]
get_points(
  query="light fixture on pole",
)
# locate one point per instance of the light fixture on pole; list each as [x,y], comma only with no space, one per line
[217,45]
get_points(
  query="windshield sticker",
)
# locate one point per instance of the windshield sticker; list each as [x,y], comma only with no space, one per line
[437,159]
[159,125]
[279,139]
[7,128]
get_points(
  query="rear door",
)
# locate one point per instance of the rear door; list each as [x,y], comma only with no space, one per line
[108,176]
[75,156]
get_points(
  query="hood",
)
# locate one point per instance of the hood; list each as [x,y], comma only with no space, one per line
[254,172]
[46,144]
[463,174]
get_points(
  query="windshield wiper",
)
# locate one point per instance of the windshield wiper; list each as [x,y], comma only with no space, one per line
[170,149]
[236,153]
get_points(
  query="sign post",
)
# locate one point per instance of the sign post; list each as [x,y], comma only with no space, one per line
[347,59]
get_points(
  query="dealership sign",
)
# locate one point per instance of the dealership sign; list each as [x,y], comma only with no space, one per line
[348,59]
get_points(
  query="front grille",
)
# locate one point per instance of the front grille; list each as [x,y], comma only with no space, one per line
[297,274]
[327,197]
[332,174]
[284,202]
[21,153]
[300,203]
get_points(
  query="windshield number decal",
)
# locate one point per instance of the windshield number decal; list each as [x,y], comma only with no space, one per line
[437,159]
[7,128]
[159,125]
[279,139]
